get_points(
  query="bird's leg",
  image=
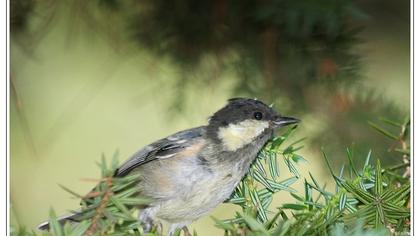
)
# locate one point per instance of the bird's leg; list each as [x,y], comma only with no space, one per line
[147,226]
[153,226]
[186,231]
[177,226]
[159,227]
[146,219]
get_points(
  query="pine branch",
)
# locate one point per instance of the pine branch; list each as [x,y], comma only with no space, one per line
[371,200]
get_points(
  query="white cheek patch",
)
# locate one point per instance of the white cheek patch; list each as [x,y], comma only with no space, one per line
[238,135]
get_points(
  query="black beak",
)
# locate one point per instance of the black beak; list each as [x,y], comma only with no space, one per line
[283,120]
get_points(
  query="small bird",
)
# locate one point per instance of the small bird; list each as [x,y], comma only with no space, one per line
[191,172]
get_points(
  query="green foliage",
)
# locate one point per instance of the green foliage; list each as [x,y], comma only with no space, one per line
[106,210]
[266,43]
[371,198]
[275,48]
[366,201]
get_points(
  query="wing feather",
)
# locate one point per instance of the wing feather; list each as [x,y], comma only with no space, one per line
[161,149]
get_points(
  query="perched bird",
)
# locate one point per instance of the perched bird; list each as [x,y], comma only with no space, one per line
[191,172]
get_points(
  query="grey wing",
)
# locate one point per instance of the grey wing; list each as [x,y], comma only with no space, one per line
[161,149]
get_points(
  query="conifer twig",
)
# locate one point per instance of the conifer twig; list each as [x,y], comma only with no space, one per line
[99,211]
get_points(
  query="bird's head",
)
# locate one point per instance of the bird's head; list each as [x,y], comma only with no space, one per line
[243,121]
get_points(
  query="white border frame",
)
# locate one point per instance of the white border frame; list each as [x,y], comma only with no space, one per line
[4,117]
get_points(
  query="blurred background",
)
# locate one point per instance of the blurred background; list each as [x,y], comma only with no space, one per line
[93,77]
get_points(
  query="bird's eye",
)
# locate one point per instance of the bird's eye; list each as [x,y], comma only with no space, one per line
[258,115]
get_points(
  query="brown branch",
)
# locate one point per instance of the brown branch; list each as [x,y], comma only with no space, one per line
[99,211]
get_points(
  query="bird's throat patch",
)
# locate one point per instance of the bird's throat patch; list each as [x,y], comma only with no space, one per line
[235,136]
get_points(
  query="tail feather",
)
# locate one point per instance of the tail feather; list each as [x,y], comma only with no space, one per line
[71,217]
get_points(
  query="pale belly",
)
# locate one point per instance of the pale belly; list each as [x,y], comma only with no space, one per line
[185,190]
[199,200]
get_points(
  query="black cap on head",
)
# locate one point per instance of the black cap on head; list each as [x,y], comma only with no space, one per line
[244,109]
[240,109]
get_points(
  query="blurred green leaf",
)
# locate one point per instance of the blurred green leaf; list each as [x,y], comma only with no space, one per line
[383,131]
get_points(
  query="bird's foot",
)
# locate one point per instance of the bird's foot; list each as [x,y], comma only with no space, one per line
[159,227]
[186,231]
